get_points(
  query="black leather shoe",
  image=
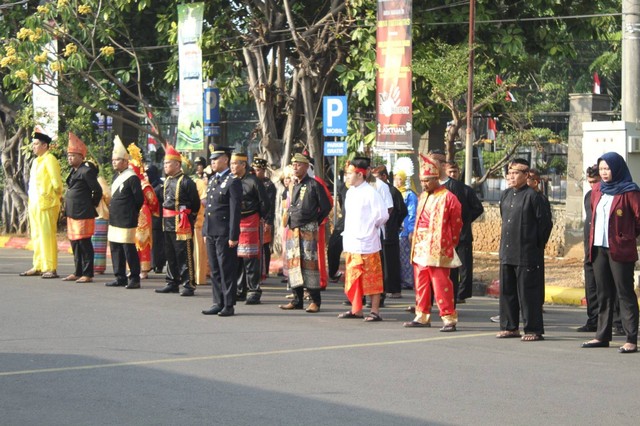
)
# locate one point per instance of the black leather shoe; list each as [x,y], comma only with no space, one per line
[214,310]
[595,345]
[227,311]
[115,283]
[187,291]
[586,329]
[132,285]
[254,300]
[169,288]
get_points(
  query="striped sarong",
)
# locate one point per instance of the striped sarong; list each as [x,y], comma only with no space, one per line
[99,241]
[249,242]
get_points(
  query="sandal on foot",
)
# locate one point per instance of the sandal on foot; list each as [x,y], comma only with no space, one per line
[411,324]
[373,317]
[49,275]
[448,328]
[349,314]
[507,334]
[532,337]
[30,273]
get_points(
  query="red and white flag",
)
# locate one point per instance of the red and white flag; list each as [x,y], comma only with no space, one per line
[596,83]
[508,95]
[492,129]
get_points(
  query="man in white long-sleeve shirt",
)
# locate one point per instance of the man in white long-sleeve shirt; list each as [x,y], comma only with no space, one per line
[366,215]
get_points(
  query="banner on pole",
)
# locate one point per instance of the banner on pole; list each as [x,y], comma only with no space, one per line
[45,96]
[190,131]
[393,82]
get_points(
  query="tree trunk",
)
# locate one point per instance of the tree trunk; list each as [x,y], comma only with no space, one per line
[15,215]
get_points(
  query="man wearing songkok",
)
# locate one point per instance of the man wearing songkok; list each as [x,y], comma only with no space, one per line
[309,207]
[366,214]
[222,231]
[80,202]
[435,236]
[260,167]
[179,210]
[526,227]
[45,191]
[472,209]
[126,201]
[253,209]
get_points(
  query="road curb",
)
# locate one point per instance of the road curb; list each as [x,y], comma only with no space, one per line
[24,243]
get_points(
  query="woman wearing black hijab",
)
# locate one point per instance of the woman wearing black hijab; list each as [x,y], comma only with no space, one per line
[615,226]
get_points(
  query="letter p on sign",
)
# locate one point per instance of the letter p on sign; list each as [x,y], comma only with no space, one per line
[334,116]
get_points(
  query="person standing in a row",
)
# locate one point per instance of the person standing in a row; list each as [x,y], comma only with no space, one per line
[260,167]
[222,231]
[126,201]
[82,197]
[179,210]
[615,204]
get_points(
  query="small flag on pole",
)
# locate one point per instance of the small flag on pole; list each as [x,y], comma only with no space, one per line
[508,95]
[596,83]
[492,129]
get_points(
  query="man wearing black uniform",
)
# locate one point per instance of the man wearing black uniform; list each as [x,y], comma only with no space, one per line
[126,201]
[179,211]
[254,207]
[222,231]
[157,250]
[526,227]
[260,167]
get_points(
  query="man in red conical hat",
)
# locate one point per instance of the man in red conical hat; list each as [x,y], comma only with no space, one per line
[179,211]
[82,197]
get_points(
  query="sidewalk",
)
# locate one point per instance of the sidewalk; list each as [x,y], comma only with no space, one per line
[553,294]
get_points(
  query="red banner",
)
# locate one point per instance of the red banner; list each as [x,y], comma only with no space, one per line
[393,83]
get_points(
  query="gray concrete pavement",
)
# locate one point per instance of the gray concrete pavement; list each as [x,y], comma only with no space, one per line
[87,354]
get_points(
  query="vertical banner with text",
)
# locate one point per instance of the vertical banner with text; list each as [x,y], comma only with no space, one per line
[45,96]
[190,132]
[393,82]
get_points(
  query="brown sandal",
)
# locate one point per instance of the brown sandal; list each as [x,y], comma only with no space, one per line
[532,337]
[30,273]
[508,334]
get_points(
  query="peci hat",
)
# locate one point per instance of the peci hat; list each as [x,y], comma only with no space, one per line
[40,135]
[119,151]
[76,146]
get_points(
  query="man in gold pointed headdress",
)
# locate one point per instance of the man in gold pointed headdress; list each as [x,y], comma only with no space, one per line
[126,201]
[82,197]
[45,191]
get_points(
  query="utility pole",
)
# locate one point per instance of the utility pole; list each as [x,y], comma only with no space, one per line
[468,157]
[630,61]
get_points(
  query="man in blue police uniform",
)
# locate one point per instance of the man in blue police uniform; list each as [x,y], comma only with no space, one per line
[221,231]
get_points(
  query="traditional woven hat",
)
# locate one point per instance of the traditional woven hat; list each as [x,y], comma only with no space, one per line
[259,163]
[76,146]
[239,156]
[170,153]
[428,168]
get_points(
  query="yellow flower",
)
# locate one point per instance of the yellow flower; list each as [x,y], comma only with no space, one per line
[57,66]
[107,51]
[24,33]
[36,36]
[60,31]
[62,3]
[43,10]
[6,61]
[11,51]
[22,75]
[41,58]
[84,9]
[70,49]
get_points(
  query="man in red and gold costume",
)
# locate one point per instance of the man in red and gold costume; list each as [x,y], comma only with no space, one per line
[435,236]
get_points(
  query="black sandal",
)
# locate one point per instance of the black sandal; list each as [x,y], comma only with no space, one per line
[372,317]
[349,314]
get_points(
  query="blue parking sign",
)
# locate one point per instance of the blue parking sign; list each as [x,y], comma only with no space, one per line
[334,116]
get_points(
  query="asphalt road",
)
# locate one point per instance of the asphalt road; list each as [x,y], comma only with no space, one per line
[85,354]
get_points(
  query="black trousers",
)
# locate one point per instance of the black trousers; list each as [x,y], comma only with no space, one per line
[298,296]
[520,290]
[615,277]
[121,255]
[83,257]
[179,253]
[158,260]
[591,293]
[223,261]
[391,266]
[265,262]
[248,274]
[334,251]
[464,274]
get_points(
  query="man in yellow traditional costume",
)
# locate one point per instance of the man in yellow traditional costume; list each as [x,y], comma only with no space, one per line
[45,191]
